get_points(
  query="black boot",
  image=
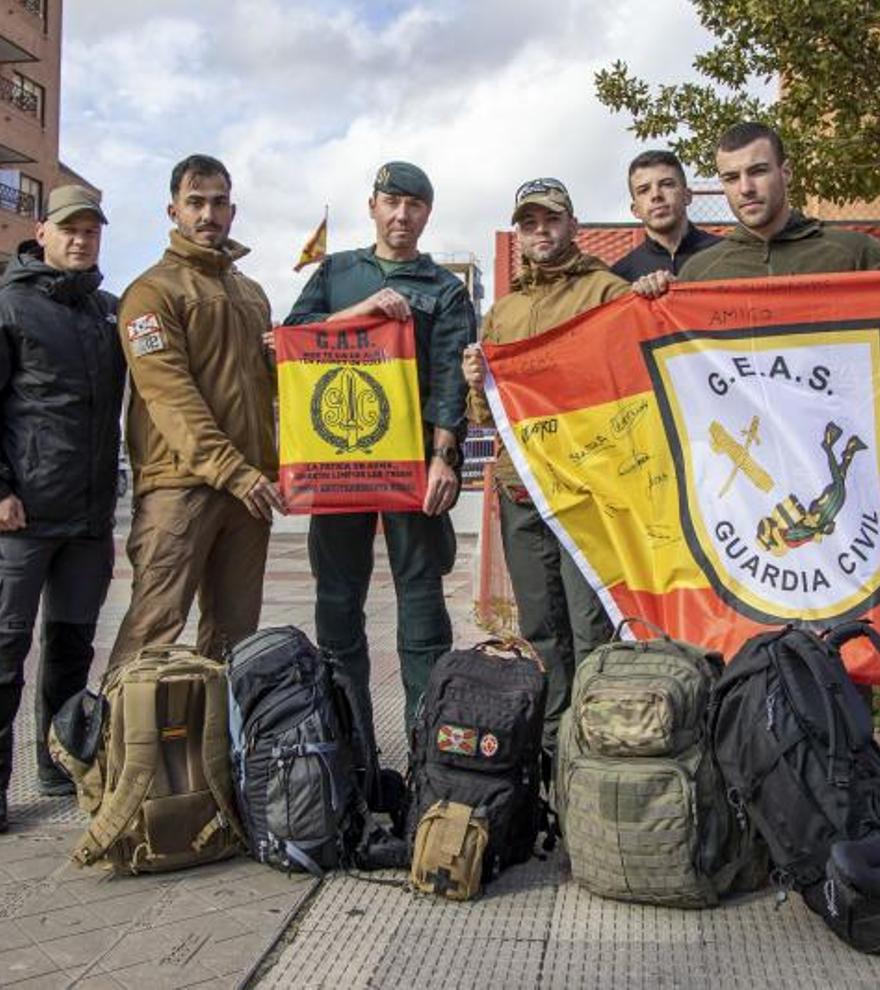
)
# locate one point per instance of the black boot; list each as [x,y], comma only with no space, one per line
[4,820]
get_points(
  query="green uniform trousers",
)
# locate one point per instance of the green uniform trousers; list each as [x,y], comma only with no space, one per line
[559,613]
[421,549]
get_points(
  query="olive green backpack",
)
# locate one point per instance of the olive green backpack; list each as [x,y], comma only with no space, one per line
[159,788]
[642,805]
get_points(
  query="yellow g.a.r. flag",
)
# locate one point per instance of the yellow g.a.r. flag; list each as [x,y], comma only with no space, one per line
[711,459]
[351,424]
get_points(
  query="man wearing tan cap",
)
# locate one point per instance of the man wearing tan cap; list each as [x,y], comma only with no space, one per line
[61,382]
[559,614]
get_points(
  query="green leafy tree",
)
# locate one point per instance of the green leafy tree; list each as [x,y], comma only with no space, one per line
[824,56]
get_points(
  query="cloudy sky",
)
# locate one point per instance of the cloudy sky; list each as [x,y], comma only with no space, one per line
[303,100]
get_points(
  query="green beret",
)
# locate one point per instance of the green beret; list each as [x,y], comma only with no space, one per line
[404,179]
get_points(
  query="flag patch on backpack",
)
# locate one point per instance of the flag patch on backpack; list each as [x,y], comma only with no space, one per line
[457,739]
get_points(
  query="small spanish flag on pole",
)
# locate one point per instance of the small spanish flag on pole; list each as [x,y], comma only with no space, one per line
[315,247]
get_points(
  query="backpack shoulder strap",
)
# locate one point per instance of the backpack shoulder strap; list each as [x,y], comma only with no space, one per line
[215,750]
[141,745]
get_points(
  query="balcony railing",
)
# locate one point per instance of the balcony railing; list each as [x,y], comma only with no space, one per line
[16,201]
[34,7]
[11,92]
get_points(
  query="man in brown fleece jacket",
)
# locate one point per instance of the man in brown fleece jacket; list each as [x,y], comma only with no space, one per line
[200,431]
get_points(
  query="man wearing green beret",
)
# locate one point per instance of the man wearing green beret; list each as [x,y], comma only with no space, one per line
[393,279]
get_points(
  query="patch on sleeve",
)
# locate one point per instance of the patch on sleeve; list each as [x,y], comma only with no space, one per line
[145,335]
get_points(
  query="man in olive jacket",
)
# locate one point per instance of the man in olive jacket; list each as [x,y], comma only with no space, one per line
[771,237]
[200,428]
[61,382]
[559,613]
[392,278]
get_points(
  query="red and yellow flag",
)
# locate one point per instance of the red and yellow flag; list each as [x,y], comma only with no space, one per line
[351,422]
[315,248]
[711,459]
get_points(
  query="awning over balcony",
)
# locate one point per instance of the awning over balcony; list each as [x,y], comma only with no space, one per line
[11,52]
[9,156]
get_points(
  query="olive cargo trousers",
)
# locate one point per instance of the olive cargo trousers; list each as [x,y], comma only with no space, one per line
[559,613]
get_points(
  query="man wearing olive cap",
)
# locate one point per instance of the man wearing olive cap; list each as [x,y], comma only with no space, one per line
[559,614]
[61,382]
[393,279]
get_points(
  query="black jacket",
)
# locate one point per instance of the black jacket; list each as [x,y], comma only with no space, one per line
[650,256]
[61,380]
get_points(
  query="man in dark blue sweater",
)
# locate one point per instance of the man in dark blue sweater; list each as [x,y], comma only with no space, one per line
[660,198]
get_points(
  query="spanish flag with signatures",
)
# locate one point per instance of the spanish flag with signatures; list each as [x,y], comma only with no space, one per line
[711,459]
[351,425]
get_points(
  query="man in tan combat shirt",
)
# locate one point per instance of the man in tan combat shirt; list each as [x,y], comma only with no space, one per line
[200,430]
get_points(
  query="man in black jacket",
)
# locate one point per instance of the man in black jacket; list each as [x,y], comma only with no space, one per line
[660,198]
[61,380]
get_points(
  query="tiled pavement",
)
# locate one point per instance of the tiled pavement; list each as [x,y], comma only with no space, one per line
[215,926]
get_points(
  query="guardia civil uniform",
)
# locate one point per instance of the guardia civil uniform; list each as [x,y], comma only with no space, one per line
[421,548]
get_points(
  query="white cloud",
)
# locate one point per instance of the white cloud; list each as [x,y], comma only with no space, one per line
[303,101]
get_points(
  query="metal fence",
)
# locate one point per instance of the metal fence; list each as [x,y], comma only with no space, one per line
[12,92]
[16,201]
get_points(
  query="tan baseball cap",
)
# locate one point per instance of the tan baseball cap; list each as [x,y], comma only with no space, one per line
[549,193]
[67,200]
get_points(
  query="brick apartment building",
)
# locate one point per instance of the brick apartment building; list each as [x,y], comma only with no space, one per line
[30,78]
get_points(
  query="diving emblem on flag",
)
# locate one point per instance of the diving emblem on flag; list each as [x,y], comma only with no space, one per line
[349,409]
[457,739]
[774,436]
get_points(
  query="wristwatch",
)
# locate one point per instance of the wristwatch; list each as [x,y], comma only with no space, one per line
[449,455]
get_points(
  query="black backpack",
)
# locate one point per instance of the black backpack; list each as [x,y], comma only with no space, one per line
[301,759]
[849,898]
[794,741]
[477,741]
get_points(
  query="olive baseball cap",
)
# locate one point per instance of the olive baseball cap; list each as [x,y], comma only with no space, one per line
[549,193]
[404,179]
[67,200]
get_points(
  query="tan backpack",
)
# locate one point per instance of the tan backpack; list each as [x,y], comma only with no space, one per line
[448,851]
[159,790]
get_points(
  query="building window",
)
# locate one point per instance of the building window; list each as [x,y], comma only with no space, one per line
[31,198]
[28,96]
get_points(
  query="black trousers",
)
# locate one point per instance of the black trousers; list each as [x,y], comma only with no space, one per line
[72,576]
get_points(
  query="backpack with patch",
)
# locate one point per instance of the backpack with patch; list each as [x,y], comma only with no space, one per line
[642,806]
[795,743]
[151,761]
[477,742]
